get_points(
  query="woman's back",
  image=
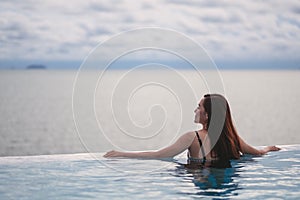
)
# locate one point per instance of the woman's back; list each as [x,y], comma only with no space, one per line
[195,148]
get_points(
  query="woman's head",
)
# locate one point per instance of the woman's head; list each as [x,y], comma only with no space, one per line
[218,105]
[203,112]
[216,118]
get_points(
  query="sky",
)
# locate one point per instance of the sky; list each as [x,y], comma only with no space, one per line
[238,34]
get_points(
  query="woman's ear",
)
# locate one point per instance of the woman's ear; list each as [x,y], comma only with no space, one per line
[206,116]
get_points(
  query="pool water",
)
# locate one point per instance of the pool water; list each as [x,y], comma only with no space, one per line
[90,176]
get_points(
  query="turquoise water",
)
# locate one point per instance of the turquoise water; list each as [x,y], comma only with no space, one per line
[90,176]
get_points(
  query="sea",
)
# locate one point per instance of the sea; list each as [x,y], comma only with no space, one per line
[55,126]
[38,108]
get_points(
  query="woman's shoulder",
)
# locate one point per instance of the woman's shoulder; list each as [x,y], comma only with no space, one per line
[202,132]
[190,134]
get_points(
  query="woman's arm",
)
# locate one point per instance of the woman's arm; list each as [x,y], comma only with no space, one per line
[179,146]
[247,149]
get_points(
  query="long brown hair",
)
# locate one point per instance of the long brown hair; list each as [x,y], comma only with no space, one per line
[227,145]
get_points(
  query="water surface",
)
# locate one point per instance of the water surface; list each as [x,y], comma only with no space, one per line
[82,176]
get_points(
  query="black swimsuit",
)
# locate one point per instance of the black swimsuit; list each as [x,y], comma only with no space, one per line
[203,160]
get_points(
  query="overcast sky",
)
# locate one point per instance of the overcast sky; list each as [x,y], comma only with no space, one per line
[228,30]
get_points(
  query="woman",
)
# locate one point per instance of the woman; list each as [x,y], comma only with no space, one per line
[218,144]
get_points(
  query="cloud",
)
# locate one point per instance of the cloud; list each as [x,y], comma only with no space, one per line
[56,30]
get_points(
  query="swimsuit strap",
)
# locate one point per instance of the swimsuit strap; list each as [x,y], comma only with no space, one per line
[201,146]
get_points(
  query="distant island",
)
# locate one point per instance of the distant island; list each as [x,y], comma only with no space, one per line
[36,66]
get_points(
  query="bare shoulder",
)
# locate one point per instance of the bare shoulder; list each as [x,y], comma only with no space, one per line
[187,137]
[202,133]
[190,134]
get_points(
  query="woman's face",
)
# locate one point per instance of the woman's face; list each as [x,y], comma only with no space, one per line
[200,114]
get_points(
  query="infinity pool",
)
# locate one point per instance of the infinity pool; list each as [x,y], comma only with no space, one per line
[90,176]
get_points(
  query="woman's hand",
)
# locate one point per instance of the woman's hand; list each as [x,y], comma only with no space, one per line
[113,154]
[269,148]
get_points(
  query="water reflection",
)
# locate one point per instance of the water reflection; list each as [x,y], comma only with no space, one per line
[213,179]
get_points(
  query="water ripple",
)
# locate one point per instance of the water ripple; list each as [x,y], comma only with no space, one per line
[81,177]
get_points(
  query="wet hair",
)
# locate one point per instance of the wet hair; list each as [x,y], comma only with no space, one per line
[227,145]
